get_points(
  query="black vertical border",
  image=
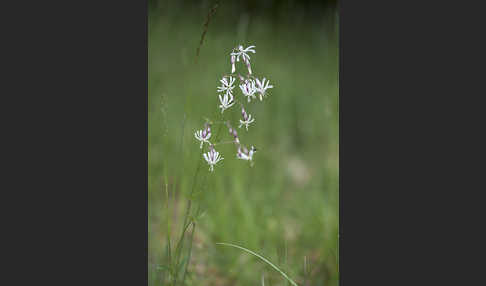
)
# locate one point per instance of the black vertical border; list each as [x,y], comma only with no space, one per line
[81,141]
[394,58]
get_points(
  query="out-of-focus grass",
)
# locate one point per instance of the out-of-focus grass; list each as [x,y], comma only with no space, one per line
[286,206]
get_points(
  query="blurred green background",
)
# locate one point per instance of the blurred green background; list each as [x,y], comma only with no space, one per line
[285,207]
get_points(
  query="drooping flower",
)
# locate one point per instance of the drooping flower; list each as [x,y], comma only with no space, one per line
[226,101]
[226,85]
[243,52]
[203,135]
[248,88]
[244,154]
[212,157]
[247,119]
[261,87]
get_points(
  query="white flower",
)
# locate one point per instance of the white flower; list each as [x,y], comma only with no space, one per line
[240,51]
[261,87]
[243,52]
[247,119]
[248,89]
[244,154]
[212,157]
[226,85]
[203,135]
[226,101]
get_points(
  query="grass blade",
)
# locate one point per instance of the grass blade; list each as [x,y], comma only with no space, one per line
[262,258]
[169,257]
[190,251]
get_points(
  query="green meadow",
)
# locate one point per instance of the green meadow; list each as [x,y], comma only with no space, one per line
[286,206]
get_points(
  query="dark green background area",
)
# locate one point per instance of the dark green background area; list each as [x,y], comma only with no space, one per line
[285,207]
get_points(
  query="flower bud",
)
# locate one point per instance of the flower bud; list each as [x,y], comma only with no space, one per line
[233,68]
[248,66]
[243,113]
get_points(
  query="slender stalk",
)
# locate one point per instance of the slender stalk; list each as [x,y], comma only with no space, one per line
[190,251]
[216,122]
[169,258]
[188,211]
[224,142]
[206,24]
[189,204]
[178,253]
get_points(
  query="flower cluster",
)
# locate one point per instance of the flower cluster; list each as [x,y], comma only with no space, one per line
[251,87]
[226,96]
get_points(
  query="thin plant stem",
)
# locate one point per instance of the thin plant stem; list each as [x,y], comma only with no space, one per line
[188,211]
[190,251]
[178,253]
[224,142]
[169,258]
[206,24]
[217,122]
